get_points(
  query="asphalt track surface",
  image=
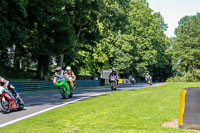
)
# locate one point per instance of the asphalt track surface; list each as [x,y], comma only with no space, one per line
[37,103]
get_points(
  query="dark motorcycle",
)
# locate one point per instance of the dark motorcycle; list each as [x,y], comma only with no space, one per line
[113,82]
[8,102]
[132,81]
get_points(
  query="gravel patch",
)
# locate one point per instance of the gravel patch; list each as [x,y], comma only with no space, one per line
[174,124]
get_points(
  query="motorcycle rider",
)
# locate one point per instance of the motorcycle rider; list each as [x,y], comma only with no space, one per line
[5,83]
[70,73]
[131,78]
[113,73]
[148,77]
[60,74]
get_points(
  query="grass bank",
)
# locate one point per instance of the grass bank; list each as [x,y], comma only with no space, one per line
[135,111]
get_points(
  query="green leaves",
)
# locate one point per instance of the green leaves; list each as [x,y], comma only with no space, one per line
[186,56]
[149,41]
[91,34]
[122,55]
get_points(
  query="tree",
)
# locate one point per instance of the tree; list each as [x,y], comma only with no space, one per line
[89,35]
[186,46]
[150,44]
[85,20]
[12,34]
[50,32]
[110,23]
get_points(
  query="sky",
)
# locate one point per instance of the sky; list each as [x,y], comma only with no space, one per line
[174,10]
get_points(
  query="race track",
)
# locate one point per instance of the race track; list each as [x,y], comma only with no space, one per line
[36,103]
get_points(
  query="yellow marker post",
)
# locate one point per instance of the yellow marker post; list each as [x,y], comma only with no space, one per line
[120,81]
[182,107]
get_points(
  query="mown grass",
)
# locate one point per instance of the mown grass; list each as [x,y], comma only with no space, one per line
[135,111]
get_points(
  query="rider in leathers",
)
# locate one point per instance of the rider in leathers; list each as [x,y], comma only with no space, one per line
[60,74]
[148,77]
[5,84]
[70,73]
[113,73]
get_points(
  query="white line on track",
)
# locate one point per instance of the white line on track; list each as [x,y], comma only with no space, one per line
[45,110]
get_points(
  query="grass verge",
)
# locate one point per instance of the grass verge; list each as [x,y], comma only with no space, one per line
[134,111]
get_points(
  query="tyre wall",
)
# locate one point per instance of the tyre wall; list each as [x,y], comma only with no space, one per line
[189,113]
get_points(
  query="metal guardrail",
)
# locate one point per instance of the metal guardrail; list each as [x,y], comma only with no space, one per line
[21,86]
[87,83]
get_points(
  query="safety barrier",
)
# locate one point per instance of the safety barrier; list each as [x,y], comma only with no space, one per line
[32,85]
[121,81]
[21,86]
[189,117]
[87,83]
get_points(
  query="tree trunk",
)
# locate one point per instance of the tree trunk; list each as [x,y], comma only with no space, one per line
[17,59]
[79,32]
[61,60]
[43,68]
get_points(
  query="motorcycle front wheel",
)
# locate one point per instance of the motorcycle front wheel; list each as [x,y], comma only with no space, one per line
[112,86]
[4,106]
[71,92]
[115,86]
[150,82]
[63,93]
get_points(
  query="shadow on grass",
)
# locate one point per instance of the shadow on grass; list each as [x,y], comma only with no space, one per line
[133,90]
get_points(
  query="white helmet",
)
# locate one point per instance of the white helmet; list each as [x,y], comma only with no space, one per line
[68,68]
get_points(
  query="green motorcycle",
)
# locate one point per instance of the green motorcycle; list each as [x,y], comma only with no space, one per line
[64,88]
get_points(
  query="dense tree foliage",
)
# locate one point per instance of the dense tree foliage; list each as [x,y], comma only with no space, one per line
[186,46]
[90,34]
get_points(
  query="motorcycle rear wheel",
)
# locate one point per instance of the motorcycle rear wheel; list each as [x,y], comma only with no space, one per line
[21,107]
[70,95]
[21,104]
[71,92]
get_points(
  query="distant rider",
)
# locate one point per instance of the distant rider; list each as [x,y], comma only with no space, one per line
[70,73]
[148,77]
[131,79]
[59,74]
[5,84]
[113,73]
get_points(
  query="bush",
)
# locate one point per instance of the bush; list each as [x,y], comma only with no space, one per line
[190,76]
[176,79]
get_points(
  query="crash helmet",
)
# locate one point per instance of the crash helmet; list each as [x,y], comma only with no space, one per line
[68,68]
[58,69]
[113,70]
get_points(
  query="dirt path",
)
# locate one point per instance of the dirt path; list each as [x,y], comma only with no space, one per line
[174,124]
